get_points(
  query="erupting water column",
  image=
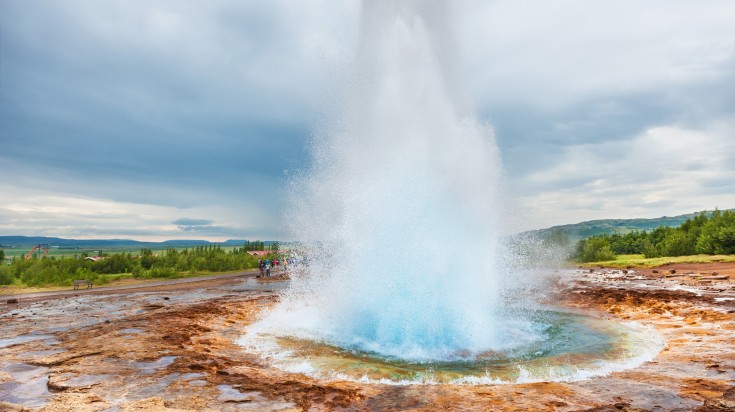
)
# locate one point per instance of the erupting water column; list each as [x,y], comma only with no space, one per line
[399,220]
[401,206]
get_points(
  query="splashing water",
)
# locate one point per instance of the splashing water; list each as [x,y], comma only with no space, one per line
[400,214]
[403,198]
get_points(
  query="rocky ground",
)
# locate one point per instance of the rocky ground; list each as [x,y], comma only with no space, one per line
[172,347]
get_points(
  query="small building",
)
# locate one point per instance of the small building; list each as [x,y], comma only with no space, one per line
[259,252]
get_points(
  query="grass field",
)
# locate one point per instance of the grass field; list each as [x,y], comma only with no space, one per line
[118,279]
[59,252]
[71,252]
[639,261]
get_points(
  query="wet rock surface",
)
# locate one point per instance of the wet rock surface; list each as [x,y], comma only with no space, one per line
[138,350]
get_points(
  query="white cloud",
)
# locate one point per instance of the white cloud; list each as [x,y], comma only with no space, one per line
[553,54]
[666,170]
[46,213]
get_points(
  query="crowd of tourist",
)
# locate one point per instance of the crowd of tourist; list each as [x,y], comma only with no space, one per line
[267,265]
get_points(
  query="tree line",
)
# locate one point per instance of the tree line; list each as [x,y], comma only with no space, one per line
[708,233]
[147,264]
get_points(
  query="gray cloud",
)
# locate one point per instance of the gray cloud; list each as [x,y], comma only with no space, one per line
[185,221]
[203,226]
[179,108]
[134,101]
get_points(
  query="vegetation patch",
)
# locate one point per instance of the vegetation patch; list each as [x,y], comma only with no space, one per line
[62,271]
[704,234]
[640,261]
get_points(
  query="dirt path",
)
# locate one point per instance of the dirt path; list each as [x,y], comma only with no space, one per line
[25,299]
[173,347]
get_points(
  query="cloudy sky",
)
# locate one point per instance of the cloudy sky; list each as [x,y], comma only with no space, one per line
[159,120]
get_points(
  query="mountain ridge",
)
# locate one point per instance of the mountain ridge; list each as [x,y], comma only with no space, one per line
[24,241]
[575,232]
[583,230]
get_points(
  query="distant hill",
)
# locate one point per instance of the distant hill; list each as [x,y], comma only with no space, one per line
[589,228]
[575,232]
[25,242]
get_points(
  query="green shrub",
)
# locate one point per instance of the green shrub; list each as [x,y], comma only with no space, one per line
[6,277]
[604,253]
[161,272]
[595,249]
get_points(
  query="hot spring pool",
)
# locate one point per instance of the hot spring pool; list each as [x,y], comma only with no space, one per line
[571,347]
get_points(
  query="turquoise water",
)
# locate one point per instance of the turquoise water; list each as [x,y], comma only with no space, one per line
[570,347]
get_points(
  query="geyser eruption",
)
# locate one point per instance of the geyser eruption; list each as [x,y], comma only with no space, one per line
[403,203]
[399,221]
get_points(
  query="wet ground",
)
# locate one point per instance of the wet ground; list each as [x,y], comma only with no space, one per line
[173,348]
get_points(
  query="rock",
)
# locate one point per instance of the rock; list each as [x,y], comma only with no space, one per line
[231,394]
[11,407]
[56,384]
[61,358]
[155,403]
[718,405]
[654,271]
[11,301]
[672,271]
[166,298]
[77,402]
